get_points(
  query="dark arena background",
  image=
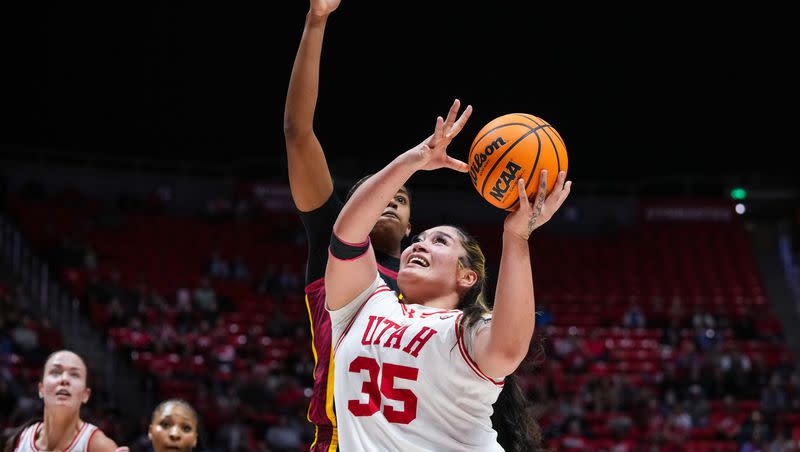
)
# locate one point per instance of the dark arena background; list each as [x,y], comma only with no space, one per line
[143,173]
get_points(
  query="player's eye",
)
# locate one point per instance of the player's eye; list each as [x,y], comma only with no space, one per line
[164,424]
[440,239]
[400,200]
[416,239]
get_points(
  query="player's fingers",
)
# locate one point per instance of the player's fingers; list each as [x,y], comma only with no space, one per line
[438,132]
[563,195]
[457,165]
[452,114]
[562,176]
[542,191]
[459,124]
[555,195]
[523,195]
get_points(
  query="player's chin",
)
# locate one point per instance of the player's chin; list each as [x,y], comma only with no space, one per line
[387,225]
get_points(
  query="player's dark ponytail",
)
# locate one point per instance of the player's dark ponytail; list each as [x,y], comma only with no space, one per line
[517,430]
[11,443]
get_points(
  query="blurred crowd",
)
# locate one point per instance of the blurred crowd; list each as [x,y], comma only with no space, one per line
[248,370]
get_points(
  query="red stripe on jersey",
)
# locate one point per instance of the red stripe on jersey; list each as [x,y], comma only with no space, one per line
[381,288]
[89,443]
[428,314]
[388,272]
[464,354]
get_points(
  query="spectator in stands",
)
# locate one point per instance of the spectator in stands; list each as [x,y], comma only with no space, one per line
[676,311]
[727,422]
[755,430]
[117,317]
[26,339]
[27,403]
[671,334]
[793,392]
[205,298]
[773,397]
[678,425]
[634,316]
[283,436]
[268,282]
[218,267]
[173,427]
[90,258]
[289,279]
[574,440]
[234,435]
[240,271]
[703,319]
[782,442]
[183,299]
[595,346]
[698,406]
[705,338]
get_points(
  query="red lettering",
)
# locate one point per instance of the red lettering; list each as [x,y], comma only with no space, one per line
[420,339]
[389,324]
[396,337]
[372,318]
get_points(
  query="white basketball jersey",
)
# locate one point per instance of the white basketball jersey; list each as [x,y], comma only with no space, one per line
[27,440]
[405,380]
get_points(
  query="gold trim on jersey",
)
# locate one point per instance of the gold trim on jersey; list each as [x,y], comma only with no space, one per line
[334,446]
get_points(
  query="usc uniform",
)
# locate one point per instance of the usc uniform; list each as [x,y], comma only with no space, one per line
[318,224]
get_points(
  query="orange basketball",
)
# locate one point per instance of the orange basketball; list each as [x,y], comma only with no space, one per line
[513,146]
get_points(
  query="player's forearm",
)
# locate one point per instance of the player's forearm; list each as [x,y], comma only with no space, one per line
[301,98]
[365,206]
[513,317]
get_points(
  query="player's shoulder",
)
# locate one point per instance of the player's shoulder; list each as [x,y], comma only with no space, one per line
[99,442]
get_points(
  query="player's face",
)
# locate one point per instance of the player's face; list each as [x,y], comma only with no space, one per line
[174,428]
[395,219]
[432,261]
[63,385]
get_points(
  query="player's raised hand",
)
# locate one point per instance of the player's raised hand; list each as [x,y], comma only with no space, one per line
[323,7]
[531,215]
[433,151]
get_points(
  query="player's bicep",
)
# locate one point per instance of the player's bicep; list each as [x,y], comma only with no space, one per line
[309,177]
[345,278]
[490,359]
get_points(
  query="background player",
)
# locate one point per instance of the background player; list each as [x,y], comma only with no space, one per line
[63,389]
[173,427]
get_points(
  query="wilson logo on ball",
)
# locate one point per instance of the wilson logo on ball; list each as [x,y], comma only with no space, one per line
[479,159]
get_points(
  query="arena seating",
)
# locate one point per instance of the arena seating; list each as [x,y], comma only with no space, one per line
[696,286]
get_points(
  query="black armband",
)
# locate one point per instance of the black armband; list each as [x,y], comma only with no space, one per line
[347,251]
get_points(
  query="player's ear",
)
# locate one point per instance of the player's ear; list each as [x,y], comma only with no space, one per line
[467,278]
[408,231]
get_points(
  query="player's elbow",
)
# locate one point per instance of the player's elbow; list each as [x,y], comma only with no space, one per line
[294,131]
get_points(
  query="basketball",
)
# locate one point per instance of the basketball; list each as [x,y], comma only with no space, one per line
[513,146]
